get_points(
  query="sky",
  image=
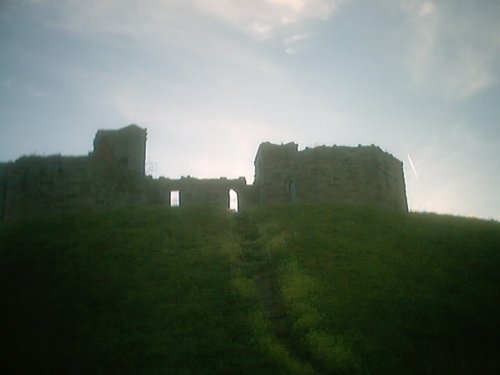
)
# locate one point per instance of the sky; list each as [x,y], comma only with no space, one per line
[212,79]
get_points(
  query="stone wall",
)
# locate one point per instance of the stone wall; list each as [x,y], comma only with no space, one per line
[113,175]
[36,185]
[203,192]
[363,175]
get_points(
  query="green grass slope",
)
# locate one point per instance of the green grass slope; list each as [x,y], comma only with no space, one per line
[136,291]
[383,293]
[290,289]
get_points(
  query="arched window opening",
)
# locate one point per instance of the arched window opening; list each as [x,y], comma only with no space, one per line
[175,198]
[292,191]
[233,200]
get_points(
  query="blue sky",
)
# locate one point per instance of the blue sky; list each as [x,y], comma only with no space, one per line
[211,79]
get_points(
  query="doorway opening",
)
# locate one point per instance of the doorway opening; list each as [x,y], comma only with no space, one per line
[233,200]
[292,191]
[175,198]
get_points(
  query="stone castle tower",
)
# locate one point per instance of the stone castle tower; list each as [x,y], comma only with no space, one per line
[124,148]
[363,175]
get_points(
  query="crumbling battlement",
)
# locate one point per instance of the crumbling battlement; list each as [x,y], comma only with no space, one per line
[112,175]
[124,149]
[363,175]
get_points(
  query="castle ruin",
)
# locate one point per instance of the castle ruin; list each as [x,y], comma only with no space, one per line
[113,175]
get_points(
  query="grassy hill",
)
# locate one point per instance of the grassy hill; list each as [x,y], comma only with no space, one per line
[289,289]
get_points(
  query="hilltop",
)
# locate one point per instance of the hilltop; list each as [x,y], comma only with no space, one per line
[298,289]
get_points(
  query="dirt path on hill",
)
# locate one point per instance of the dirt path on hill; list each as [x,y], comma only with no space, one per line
[265,275]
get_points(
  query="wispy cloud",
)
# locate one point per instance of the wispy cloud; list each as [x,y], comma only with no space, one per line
[454,48]
[292,43]
[263,18]
[176,20]
[260,18]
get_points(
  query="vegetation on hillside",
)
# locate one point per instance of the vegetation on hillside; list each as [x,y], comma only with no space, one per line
[289,289]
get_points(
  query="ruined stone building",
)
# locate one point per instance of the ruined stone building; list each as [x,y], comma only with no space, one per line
[113,175]
[363,175]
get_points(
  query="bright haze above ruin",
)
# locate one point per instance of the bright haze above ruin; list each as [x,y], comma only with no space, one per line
[211,79]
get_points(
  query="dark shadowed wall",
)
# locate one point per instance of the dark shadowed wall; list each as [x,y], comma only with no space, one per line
[363,175]
[113,176]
